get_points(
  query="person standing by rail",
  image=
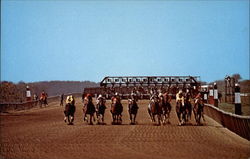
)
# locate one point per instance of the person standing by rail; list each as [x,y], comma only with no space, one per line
[62,96]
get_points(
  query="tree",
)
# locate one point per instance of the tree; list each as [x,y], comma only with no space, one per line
[237,77]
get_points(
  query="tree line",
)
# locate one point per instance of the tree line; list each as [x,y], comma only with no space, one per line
[16,92]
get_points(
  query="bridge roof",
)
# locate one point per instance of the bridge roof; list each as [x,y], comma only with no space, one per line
[149,80]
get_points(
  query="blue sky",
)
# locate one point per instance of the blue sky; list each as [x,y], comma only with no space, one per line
[88,40]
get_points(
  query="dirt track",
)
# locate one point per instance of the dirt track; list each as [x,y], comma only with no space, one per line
[42,133]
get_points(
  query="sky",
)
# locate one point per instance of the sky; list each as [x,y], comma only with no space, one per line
[77,40]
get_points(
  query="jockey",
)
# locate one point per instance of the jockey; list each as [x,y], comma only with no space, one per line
[43,95]
[133,96]
[117,97]
[198,99]
[188,95]
[153,96]
[89,97]
[160,95]
[70,100]
[180,97]
[99,99]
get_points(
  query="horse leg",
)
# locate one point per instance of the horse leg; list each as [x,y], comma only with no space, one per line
[68,117]
[203,117]
[91,118]
[190,112]
[164,118]
[151,115]
[65,116]
[84,117]
[113,116]
[159,119]
[120,118]
[135,117]
[130,117]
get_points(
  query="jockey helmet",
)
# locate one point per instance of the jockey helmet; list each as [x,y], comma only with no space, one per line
[100,96]
[160,94]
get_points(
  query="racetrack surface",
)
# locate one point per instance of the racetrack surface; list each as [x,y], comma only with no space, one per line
[42,133]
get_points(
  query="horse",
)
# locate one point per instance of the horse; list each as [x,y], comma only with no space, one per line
[116,111]
[154,108]
[180,111]
[198,111]
[180,108]
[132,110]
[42,101]
[69,110]
[188,106]
[166,107]
[100,110]
[88,109]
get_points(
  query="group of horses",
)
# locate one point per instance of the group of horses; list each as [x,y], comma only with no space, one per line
[91,112]
[184,107]
[159,109]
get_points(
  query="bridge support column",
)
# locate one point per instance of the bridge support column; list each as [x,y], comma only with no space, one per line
[237,99]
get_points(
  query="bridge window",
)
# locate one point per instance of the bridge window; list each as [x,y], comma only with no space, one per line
[187,80]
[173,79]
[166,79]
[138,80]
[130,80]
[109,80]
[180,80]
[123,80]
[159,80]
[116,80]
[144,80]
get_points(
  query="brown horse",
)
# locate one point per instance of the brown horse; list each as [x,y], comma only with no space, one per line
[132,110]
[43,101]
[166,107]
[69,110]
[88,109]
[180,108]
[154,108]
[116,111]
[188,105]
[100,110]
[198,110]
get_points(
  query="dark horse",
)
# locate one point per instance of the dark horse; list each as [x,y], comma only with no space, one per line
[43,101]
[154,108]
[132,110]
[166,107]
[69,110]
[188,106]
[180,108]
[88,109]
[198,110]
[100,110]
[116,111]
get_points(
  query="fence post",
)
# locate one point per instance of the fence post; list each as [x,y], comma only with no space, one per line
[215,95]
[237,100]
[28,94]
[211,95]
